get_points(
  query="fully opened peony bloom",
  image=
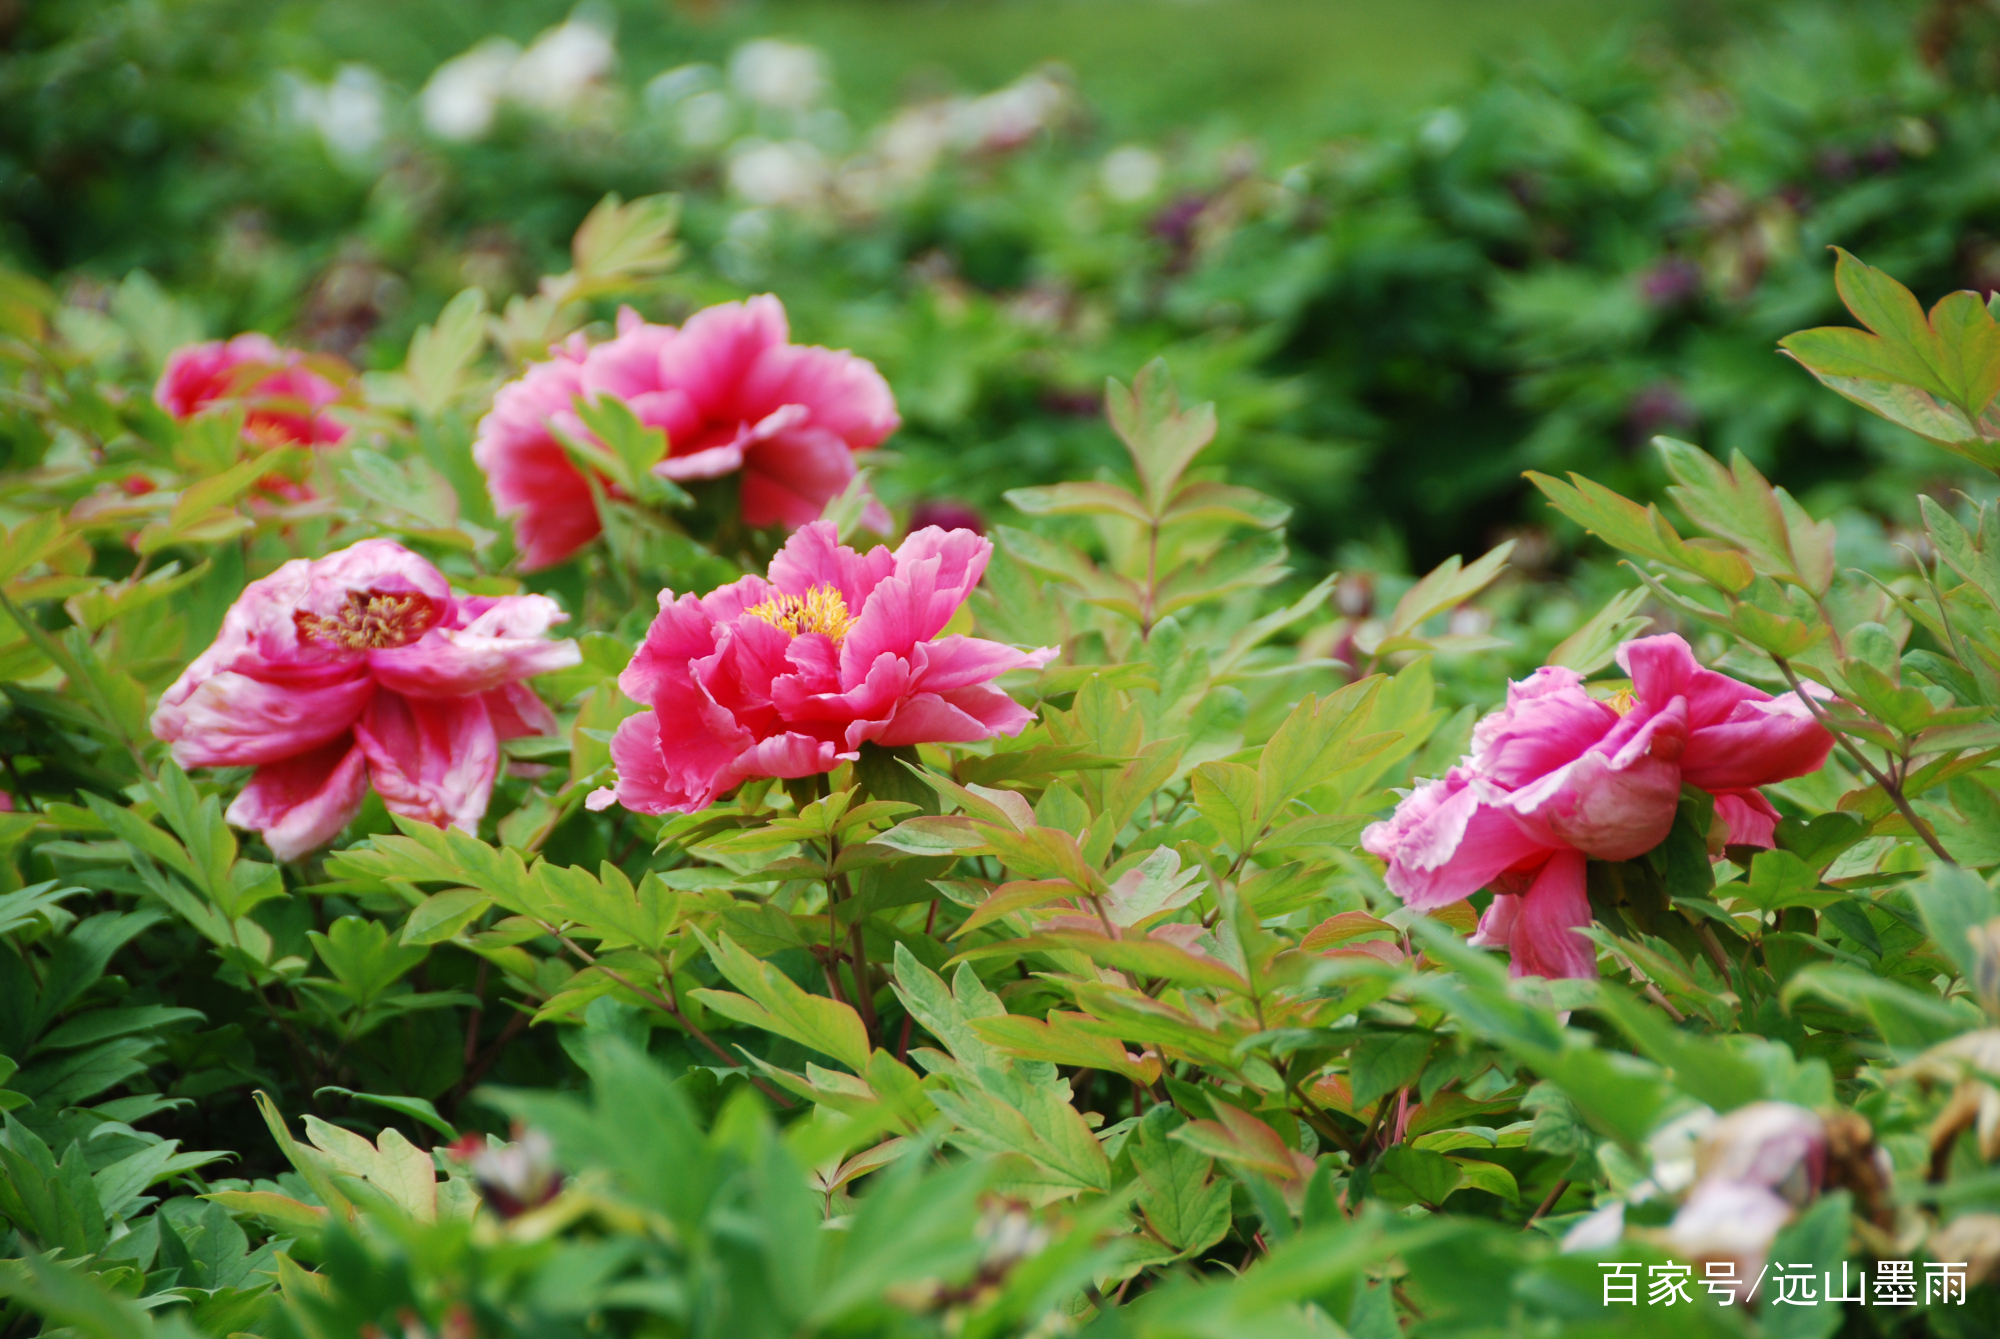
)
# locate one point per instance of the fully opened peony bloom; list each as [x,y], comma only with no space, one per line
[786,677]
[732,395]
[1557,776]
[362,667]
[284,401]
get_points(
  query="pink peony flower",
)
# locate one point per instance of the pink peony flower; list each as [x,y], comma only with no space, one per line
[362,667]
[786,677]
[732,395]
[284,401]
[1557,775]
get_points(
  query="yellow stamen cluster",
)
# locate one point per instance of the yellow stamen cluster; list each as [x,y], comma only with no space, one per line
[821,609]
[371,620]
[1622,701]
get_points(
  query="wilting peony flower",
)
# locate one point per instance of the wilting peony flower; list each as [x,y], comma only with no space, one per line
[284,401]
[732,396]
[788,676]
[362,666]
[1753,1169]
[1556,776]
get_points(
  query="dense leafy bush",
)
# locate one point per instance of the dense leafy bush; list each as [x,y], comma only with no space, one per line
[1559,263]
[493,846]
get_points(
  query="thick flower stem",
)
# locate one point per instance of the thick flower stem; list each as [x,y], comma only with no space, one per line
[1890,788]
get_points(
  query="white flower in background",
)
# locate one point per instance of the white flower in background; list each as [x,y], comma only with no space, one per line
[563,65]
[1131,174]
[1009,117]
[348,113]
[669,88]
[778,74]
[463,94]
[705,120]
[791,172]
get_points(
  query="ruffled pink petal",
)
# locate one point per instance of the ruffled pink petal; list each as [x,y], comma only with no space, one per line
[1448,840]
[789,479]
[530,476]
[301,803]
[814,556]
[645,786]
[683,631]
[717,349]
[1759,742]
[517,713]
[845,394]
[232,720]
[1544,941]
[1548,721]
[1496,923]
[1664,667]
[874,699]
[1612,806]
[925,718]
[712,463]
[431,759]
[788,755]
[935,571]
[505,644]
[956,662]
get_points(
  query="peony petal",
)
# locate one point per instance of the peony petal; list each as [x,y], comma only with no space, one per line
[958,662]
[715,352]
[814,556]
[1544,941]
[1548,721]
[517,713]
[1455,838]
[935,571]
[1612,806]
[682,631]
[452,663]
[711,463]
[1496,923]
[644,784]
[1749,820]
[232,720]
[789,479]
[303,802]
[844,394]
[431,759]
[1760,742]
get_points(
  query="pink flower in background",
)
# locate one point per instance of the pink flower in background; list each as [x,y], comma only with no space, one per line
[1557,776]
[284,401]
[362,667]
[786,677]
[731,393]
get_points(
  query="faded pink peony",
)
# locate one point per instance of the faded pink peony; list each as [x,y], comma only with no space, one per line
[1755,1168]
[284,401]
[732,395]
[1557,776]
[788,676]
[362,667]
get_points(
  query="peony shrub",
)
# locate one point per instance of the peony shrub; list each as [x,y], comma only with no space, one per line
[1075,919]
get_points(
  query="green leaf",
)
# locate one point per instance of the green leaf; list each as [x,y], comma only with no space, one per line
[1188,1210]
[1431,1177]
[1591,647]
[1954,901]
[1226,795]
[1739,504]
[1161,438]
[442,915]
[776,1004]
[416,1108]
[358,953]
[1382,1062]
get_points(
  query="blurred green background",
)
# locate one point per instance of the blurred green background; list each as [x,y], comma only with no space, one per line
[1411,247]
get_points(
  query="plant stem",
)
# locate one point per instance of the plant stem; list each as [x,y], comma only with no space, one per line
[1547,1203]
[1889,787]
